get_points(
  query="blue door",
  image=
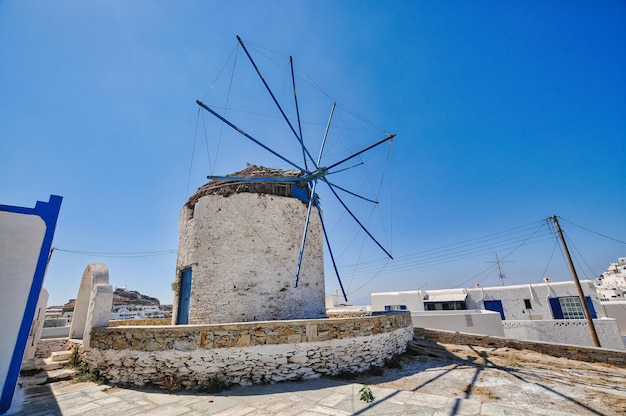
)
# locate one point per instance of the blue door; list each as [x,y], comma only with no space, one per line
[184,294]
[496,306]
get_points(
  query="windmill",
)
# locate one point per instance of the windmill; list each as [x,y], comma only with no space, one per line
[312,171]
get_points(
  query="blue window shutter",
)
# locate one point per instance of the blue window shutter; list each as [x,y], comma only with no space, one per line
[557,312]
[495,306]
[592,310]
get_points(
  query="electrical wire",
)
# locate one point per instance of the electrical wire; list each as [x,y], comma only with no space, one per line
[580,256]
[460,251]
[556,243]
[117,254]
[510,253]
[594,232]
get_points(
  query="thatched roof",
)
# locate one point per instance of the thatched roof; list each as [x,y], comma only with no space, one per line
[226,187]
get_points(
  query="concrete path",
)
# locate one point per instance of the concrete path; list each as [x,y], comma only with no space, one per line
[313,397]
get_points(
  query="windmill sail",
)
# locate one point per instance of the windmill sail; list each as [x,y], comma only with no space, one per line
[306,178]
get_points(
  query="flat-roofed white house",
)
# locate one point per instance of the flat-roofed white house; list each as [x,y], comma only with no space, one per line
[548,311]
[440,309]
[611,285]
[136,312]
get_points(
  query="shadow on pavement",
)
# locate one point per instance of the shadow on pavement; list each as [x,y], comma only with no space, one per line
[33,400]
[514,373]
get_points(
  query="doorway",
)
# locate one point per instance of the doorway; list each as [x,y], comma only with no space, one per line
[184,296]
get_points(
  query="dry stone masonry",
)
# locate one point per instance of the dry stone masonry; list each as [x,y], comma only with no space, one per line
[246,353]
[45,347]
[241,240]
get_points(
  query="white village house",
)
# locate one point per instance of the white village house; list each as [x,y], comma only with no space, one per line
[549,312]
[123,312]
[611,287]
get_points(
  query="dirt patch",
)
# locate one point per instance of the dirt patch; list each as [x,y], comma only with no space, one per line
[507,376]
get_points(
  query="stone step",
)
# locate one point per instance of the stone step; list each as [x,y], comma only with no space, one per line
[61,374]
[45,377]
[33,380]
[61,355]
[50,364]
[32,366]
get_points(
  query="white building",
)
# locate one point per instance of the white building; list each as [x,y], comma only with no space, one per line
[440,309]
[124,312]
[549,311]
[611,285]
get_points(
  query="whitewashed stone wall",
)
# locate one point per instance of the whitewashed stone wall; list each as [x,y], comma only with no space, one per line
[251,365]
[243,251]
[247,353]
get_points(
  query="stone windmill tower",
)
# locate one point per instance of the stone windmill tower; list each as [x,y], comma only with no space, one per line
[238,249]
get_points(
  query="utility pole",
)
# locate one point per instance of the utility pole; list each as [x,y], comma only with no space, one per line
[500,274]
[581,295]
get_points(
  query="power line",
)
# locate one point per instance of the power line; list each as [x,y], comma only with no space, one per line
[461,251]
[594,232]
[117,254]
[511,252]
[556,243]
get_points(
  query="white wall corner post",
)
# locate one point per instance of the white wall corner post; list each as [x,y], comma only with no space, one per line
[94,274]
[99,312]
[35,330]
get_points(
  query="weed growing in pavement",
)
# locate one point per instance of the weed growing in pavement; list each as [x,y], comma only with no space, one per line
[366,394]
[74,358]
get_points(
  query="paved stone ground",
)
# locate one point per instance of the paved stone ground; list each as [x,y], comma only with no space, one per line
[434,380]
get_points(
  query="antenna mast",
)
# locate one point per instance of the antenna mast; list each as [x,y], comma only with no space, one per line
[500,274]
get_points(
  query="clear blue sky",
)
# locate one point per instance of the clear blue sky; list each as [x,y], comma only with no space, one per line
[505,113]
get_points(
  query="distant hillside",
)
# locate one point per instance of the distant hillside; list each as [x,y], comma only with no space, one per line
[121,296]
[131,297]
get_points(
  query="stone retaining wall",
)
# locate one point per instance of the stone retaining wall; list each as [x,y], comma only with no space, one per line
[141,322]
[574,352]
[45,347]
[246,353]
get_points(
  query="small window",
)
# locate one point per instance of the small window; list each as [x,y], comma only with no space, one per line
[445,306]
[527,304]
[395,307]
